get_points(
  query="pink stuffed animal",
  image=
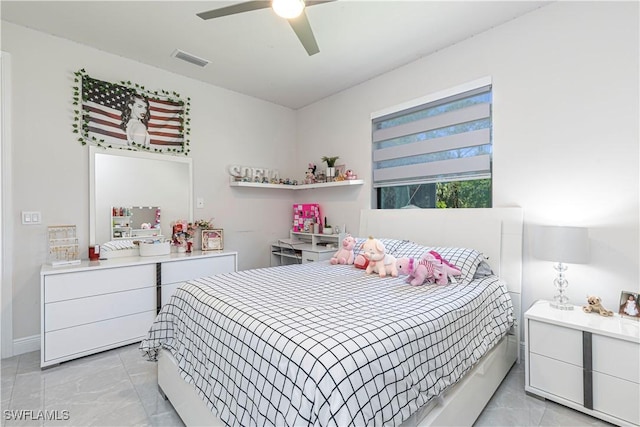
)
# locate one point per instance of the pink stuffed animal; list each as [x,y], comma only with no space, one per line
[430,268]
[379,261]
[345,253]
[418,271]
[448,269]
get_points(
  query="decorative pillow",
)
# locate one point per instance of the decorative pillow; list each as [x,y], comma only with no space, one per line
[484,270]
[391,246]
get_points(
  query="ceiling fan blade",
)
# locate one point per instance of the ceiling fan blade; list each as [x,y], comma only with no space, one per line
[302,28]
[246,6]
[308,3]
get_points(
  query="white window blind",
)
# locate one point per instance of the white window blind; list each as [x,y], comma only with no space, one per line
[444,140]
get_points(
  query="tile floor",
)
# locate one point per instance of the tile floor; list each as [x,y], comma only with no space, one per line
[118,388]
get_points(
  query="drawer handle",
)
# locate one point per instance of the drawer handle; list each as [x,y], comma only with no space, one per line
[309,260]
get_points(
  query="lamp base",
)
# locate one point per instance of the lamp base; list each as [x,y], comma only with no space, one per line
[561,305]
[560,300]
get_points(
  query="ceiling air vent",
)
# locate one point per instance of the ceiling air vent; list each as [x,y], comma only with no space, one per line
[192,59]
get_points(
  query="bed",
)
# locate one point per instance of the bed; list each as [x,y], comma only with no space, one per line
[321,344]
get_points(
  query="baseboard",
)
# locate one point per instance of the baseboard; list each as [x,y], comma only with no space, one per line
[26,345]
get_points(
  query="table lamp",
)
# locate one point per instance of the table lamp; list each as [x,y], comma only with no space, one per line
[561,245]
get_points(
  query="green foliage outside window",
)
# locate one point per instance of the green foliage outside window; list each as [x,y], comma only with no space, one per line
[442,195]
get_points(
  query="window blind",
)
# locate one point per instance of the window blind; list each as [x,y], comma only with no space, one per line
[445,140]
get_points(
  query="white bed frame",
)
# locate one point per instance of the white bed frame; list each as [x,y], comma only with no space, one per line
[496,232]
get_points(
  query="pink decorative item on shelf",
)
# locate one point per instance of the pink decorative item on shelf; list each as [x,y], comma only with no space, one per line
[304,216]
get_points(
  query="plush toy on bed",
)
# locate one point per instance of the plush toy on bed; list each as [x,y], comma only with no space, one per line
[361,262]
[430,268]
[345,253]
[595,306]
[379,261]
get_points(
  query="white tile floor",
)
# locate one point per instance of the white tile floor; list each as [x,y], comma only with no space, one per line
[118,388]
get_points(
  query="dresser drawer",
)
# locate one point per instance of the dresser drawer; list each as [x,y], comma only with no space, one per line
[75,312]
[64,286]
[66,344]
[187,269]
[556,342]
[556,377]
[617,358]
[617,397]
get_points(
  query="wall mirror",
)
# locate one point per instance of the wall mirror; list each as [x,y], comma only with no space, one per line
[133,178]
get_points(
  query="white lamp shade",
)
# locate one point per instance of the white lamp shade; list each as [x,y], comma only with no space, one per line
[561,244]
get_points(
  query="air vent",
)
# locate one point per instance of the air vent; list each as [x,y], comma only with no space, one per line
[192,59]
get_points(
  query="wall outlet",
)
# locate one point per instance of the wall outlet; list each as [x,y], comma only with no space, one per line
[200,202]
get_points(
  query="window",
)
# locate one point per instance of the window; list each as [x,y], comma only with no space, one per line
[436,154]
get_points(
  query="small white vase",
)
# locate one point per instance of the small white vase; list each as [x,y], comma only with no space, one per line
[331,173]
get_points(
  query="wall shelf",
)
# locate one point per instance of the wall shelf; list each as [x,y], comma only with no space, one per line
[346,182]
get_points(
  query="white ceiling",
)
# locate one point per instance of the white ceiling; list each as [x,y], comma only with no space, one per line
[257,53]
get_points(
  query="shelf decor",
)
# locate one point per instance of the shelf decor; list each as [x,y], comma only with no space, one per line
[118,115]
[346,182]
[63,245]
[212,240]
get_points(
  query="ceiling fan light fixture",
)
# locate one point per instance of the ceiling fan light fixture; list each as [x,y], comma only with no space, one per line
[288,9]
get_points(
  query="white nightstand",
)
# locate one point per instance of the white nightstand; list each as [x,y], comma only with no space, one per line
[584,361]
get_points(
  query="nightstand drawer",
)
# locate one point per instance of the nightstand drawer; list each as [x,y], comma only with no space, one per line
[616,397]
[616,357]
[556,377]
[556,342]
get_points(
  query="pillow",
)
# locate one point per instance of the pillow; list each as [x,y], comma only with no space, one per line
[484,270]
[391,246]
[467,260]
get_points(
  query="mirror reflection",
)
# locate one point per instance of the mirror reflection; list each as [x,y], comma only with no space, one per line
[132,179]
[135,221]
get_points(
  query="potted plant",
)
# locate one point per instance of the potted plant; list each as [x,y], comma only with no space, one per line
[331,163]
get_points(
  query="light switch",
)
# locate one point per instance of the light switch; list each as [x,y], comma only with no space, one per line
[200,202]
[30,218]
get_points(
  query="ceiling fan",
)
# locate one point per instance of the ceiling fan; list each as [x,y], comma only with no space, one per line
[292,10]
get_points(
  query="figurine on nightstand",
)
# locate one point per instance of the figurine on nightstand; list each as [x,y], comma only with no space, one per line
[595,306]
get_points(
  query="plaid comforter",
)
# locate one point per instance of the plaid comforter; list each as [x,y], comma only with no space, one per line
[326,345]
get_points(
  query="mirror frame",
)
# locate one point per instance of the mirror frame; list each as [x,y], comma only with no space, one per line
[93,150]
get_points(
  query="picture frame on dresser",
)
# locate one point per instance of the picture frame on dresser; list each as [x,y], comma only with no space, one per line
[629,305]
[213,240]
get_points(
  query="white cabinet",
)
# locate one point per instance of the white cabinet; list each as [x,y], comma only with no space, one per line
[99,305]
[584,361]
[173,274]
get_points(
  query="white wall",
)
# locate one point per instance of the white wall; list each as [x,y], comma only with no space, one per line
[565,112]
[50,168]
[565,142]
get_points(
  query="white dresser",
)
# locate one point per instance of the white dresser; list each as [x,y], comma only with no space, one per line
[584,361]
[98,305]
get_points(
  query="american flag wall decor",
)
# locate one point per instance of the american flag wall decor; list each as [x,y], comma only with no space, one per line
[127,116]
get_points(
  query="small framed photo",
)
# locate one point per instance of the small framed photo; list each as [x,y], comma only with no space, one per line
[629,305]
[212,240]
[341,170]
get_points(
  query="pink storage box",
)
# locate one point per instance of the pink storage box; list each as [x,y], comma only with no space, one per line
[305,213]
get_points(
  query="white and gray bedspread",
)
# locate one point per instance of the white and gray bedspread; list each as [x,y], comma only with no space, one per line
[321,344]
